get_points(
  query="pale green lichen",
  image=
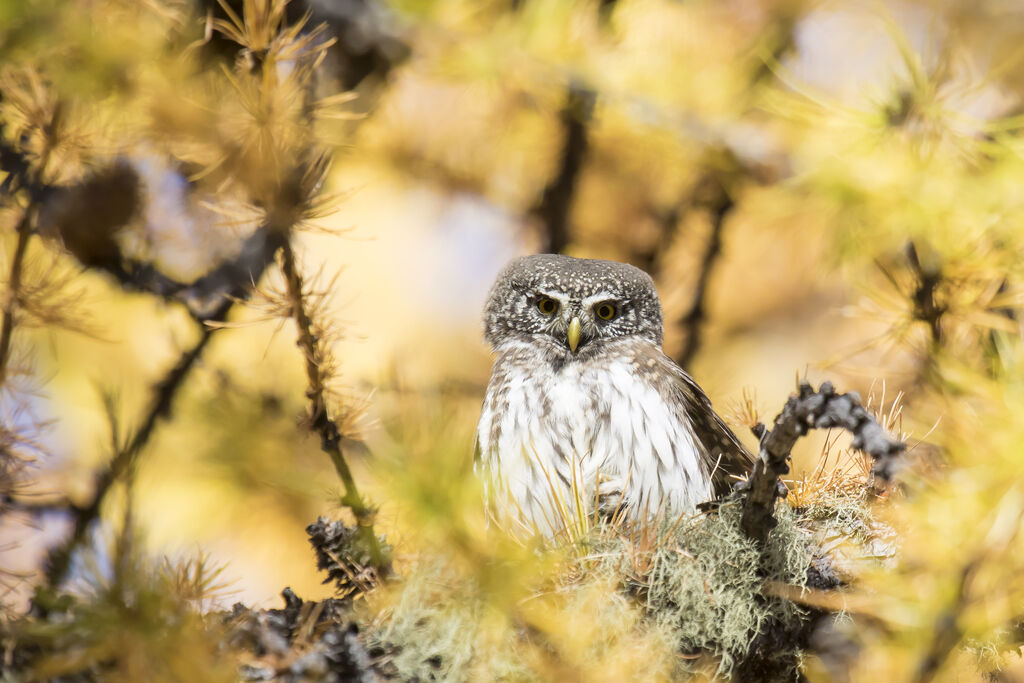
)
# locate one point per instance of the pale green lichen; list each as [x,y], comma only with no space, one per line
[702,593]
[426,634]
[706,583]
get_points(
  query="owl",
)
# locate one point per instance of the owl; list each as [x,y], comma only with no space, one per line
[584,411]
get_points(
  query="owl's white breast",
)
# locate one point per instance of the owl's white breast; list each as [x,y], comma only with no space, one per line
[546,431]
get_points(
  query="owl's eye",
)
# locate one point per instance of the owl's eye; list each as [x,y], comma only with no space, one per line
[547,306]
[605,311]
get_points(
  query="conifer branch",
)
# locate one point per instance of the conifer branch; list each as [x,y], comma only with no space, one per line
[22,175]
[927,308]
[320,420]
[12,298]
[164,393]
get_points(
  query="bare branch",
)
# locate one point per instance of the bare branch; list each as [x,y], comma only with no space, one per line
[59,559]
[823,409]
[720,204]
[555,203]
[95,246]
[202,297]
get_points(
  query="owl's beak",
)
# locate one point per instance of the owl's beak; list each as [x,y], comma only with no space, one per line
[573,336]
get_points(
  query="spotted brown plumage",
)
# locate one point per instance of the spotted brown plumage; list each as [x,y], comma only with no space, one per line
[584,408]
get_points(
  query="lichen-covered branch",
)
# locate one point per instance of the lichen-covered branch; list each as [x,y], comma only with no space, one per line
[319,418]
[822,409]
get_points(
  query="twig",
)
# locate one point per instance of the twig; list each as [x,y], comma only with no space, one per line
[319,419]
[202,296]
[231,277]
[554,205]
[926,308]
[720,204]
[21,174]
[18,167]
[946,631]
[823,409]
[13,295]
[164,391]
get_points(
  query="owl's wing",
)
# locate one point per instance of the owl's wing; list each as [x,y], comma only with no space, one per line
[724,456]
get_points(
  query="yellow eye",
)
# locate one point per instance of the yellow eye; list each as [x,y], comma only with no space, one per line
[547,306]
[605,311]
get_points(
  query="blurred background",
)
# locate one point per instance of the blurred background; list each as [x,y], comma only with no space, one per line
[821,189]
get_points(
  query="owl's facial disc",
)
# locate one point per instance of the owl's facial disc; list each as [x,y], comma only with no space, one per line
[550,301]
[567,319]
[575,322]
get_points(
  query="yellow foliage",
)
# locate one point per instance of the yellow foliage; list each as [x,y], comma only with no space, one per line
[827,189]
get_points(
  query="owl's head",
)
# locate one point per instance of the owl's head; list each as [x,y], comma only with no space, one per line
[571,302]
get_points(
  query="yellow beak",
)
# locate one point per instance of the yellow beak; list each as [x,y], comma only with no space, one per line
[574,334]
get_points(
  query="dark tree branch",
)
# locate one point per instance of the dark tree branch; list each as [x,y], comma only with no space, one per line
[202,297]
[926,308]
[18,167]
[12,297]
[21,175]
[650,257]
[720,204]
[823,409]
[946,631]
[164,393]
[555,203]
[59,559]
[319,418]
[232,278]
